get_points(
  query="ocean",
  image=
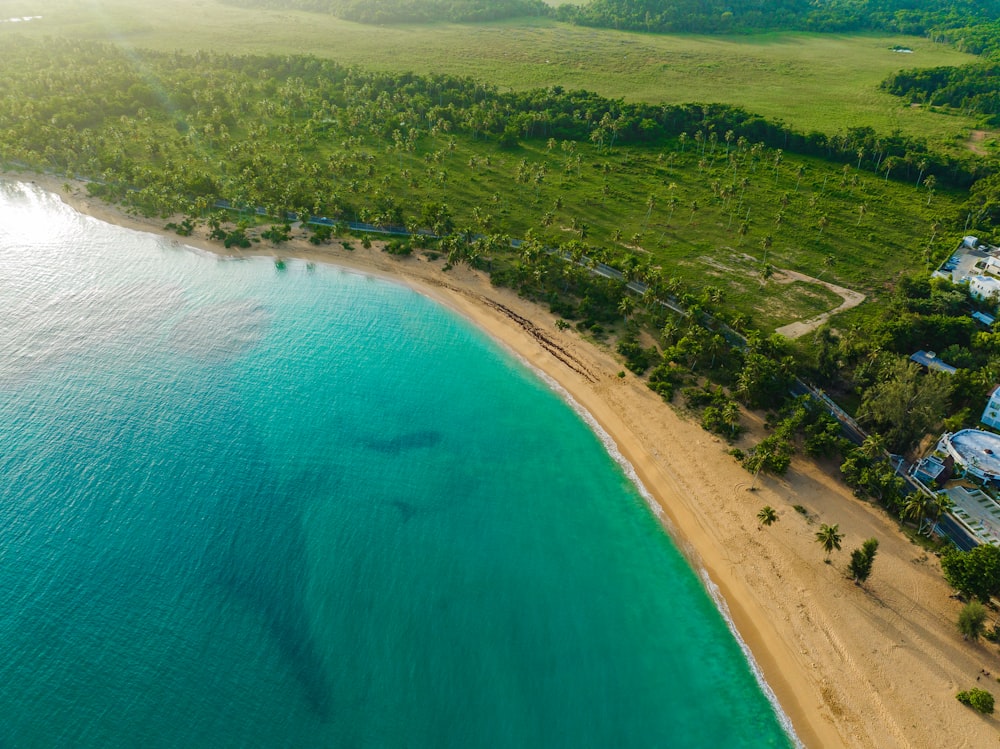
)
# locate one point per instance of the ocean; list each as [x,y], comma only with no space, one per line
[244,505]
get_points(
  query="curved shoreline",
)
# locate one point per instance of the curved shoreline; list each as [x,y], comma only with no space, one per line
[851,667]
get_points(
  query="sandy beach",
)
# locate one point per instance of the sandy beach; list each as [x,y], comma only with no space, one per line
[877,666]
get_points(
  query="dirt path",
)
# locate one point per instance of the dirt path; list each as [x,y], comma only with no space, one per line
[975,142]
[800,328]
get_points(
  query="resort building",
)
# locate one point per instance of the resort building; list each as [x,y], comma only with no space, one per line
[934,469]
[985,288]
[976,512]
[991,414]
[976,452]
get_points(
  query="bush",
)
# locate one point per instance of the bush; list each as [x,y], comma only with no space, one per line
[977,699]
[971,620]
[398,247]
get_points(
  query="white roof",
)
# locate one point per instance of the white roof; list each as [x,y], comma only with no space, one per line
[978,449]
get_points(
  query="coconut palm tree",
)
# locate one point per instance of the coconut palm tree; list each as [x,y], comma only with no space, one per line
[929,183]
[889,164]
[765,244]
[873,447]
[829,537]
[626,306]
[766,516]
[694,210]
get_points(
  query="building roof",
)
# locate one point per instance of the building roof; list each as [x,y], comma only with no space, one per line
[983,318]
[985,285]
[976,512]
[933,468]
[930,360]
[975,449]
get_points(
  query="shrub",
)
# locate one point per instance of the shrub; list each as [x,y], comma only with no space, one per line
[977,699]
[971,620]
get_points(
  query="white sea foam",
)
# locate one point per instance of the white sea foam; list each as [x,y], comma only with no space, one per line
[713,590]
[720,603]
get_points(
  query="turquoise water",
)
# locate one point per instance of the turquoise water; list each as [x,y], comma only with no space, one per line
[243,506]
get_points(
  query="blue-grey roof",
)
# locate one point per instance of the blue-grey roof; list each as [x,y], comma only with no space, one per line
[929,359]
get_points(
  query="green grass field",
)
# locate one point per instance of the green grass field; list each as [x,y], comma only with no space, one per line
[682,208]
[813,82]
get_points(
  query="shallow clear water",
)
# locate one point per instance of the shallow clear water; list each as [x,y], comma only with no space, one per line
[243,506]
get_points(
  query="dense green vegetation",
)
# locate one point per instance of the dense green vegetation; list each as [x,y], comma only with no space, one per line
[409,11]
[717,17]
[677,16]
[971,88]
[827,83]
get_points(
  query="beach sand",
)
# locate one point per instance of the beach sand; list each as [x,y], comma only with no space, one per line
[877,666]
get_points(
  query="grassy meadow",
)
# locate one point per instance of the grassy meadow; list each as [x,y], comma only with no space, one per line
[707,220]
[814,82]
[687,210]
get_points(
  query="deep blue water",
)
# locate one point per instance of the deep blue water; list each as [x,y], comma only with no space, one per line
[244,506]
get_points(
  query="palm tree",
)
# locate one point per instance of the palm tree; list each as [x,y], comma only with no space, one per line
[922,508]
[694,210]
[766,516]
[766,272]
[862,210]
[650,205]
[822,223]
[829,537]
[765,244]
[873,447]
[731,410]
[935,228]
[889,165]
[626,305]
[762,454]
[929,183]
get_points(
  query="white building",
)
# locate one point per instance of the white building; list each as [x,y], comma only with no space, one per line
[992,266]
[985,288]
[991,414]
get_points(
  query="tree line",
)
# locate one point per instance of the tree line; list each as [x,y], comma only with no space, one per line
[965,22]
[410,11]
[972,88]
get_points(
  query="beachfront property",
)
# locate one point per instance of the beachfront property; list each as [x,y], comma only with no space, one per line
[934,469]
[976,453]
[977,513]
[991,414]
[972,455]
[930,360]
